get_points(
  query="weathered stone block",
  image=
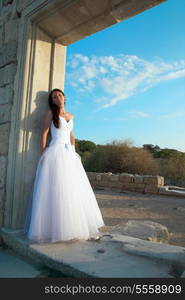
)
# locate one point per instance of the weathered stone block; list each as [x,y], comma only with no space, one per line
[115,184]
[150,179]
[151,189]
[4,138]
[114,178]
[5,113]
[2,195]
[7,74]
[11,30]
[146,230]
[157,180]
[3,166]
[135,185]
[1,36]
[22,4]
[160,180]
[106,177]
[2,199]
[6,2]
[126,178]
[6,94]
[138,179]
[6,12]
[91,175]
[98,177]
[8,53]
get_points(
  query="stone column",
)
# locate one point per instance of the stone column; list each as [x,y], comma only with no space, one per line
[41,66]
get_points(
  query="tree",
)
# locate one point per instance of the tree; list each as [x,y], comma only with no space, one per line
[149,147]
[84,146]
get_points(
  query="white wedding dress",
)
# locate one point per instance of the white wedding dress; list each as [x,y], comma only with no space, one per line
[63,204]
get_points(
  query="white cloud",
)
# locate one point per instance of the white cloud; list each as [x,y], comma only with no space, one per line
[119,77]
[140,114]
[174,75]
[77,59]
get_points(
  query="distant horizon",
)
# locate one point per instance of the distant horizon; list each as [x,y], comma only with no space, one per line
[138,146]
[128,81]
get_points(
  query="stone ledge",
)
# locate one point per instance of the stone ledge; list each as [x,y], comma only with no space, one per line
[125,181]
[172,191]
[134,183]
[113,255]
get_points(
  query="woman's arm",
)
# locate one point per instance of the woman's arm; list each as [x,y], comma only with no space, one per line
[45,129]
[72,138]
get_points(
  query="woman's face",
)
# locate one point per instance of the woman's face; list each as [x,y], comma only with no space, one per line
[58,98]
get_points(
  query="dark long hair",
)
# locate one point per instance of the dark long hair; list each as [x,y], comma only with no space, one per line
[55,108]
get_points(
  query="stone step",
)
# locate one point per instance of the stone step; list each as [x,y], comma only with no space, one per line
[113,255]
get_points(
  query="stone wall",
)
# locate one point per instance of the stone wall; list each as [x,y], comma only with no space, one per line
[128,182]
[10,18]
[9,22]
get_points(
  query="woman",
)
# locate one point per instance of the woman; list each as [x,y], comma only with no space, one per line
[64,206]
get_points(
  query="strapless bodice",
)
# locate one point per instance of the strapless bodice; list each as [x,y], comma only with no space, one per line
[61,134]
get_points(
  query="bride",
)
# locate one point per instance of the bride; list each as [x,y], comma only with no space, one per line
[63,204]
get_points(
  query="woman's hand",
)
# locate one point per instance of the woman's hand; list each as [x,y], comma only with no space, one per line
[42,150]
[73,148]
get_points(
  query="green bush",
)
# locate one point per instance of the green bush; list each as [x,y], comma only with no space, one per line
[119,157]
[124,157]
[173,169]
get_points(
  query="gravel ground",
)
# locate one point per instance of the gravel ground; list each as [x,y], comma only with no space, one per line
[167,210]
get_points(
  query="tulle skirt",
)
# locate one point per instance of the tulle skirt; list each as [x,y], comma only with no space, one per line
[62,205]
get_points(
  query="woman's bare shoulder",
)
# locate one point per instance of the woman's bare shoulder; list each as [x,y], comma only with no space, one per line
[70,115]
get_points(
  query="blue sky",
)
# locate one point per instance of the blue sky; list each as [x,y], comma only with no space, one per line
[128,81]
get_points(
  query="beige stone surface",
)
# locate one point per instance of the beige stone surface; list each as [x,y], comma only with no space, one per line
[79,19]
[125,206]
[147,230]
